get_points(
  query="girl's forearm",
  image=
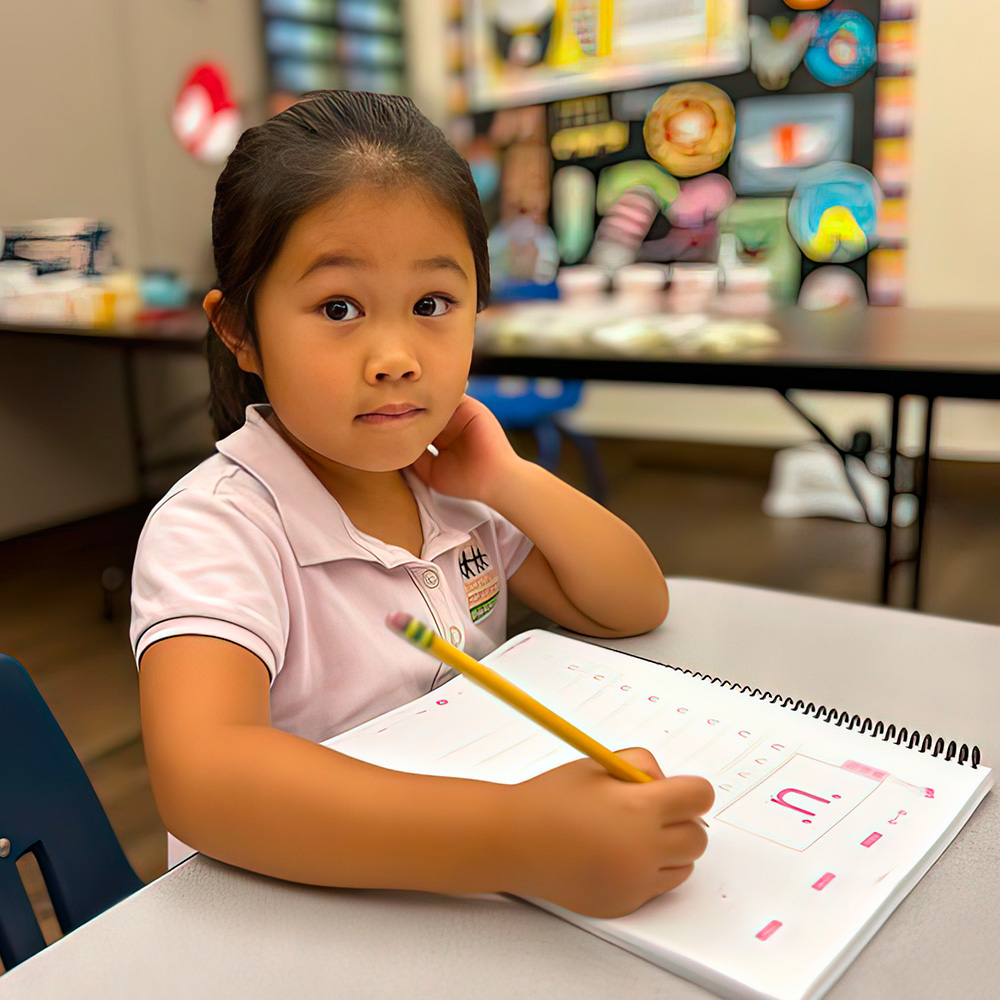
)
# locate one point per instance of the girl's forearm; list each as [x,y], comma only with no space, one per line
[274,803]
[602,566]
[270,802]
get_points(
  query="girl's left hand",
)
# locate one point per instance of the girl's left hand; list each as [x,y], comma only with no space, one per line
[474,455]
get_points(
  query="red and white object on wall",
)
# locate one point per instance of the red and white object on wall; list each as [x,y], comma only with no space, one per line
[205,118]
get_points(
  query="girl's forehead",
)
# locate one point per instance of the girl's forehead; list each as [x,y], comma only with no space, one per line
[375,222]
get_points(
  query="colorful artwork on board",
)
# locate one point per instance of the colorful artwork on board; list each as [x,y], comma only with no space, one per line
[484,163]
[583,141]
[690,129]
[886,265]
[843,48]
[555,51]
[583,127]
[832,287]
[693,244]
[523,250]
[630,196]
[623,228]
[779,137]
[753,234]
[522,51]
[693,217]
[834,212]
[522,246]
[522,30]
[886,276]
[893,106]
[777,48]
[205,118]
[615,180]
[892,165]
[700,200]
[573,193]
[896,48]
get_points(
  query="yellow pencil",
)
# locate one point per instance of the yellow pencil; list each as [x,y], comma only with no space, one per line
[432,643]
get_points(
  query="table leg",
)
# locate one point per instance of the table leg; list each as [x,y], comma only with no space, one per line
[821,431]
[922,498]
[891,500]
[134,419]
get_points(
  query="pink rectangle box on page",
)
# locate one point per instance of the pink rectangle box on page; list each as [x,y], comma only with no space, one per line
[865,770]
[870,839]
[824,880]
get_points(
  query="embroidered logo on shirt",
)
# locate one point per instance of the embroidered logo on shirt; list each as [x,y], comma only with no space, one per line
[482,583]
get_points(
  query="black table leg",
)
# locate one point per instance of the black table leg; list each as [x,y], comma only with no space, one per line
[922,499]
[134,419]
[887,562]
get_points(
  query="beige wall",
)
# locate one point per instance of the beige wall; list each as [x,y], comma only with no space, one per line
[87,90]
[955,208]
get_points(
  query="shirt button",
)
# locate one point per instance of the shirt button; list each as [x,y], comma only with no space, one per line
[431,578]
[455,636]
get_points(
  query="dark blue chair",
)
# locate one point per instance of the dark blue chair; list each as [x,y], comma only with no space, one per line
[48,808]
[535,405]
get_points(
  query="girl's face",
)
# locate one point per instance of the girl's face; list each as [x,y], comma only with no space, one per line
[365,322]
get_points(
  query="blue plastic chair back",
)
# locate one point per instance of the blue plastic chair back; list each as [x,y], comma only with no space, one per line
[524,403]
[48,807]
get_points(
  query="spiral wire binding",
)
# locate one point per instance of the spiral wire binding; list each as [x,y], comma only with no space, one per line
[889,733]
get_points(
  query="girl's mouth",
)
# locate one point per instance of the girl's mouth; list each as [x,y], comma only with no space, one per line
[390,415]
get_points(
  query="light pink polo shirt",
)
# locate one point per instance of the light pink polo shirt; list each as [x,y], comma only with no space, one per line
[250,547]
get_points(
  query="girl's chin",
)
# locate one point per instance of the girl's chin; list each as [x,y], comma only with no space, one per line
[391,463]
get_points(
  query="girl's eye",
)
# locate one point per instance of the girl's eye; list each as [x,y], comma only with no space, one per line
[340,310]
[433,305]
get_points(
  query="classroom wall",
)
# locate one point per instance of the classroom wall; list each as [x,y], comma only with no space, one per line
[85,92]
[955,211]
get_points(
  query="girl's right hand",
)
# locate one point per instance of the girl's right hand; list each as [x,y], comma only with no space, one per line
[602,846]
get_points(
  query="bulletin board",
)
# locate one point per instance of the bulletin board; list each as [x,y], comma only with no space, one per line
[602,97]
[590,46]
[332,44]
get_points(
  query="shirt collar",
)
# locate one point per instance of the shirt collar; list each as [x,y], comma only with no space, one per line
[317,528]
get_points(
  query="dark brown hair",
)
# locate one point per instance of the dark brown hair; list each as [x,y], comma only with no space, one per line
[279,170]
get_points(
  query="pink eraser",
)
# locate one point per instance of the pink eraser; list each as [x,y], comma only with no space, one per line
[397,621]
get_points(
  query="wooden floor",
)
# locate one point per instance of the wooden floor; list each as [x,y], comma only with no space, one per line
[699,508]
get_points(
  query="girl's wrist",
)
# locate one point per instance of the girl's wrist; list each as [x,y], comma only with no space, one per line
[510,484]
[512,840]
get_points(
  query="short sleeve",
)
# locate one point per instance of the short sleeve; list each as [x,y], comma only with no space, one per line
[513,543]
[203,567]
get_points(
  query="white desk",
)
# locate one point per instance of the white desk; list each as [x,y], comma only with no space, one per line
[207,930]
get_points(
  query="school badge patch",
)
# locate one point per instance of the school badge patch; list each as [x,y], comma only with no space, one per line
[482,582]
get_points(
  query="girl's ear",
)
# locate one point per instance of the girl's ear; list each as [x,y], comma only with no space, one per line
[241,347]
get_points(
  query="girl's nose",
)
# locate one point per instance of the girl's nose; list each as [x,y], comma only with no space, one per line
[392,364]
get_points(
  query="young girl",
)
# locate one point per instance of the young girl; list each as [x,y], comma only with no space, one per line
[351,254]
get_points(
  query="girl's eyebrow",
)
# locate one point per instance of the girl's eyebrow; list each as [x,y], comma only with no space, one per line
[441,262]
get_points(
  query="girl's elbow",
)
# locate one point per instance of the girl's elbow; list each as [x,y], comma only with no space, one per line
[652,616]
[660,607]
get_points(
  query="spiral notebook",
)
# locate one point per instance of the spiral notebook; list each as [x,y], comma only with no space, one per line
[822,822]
